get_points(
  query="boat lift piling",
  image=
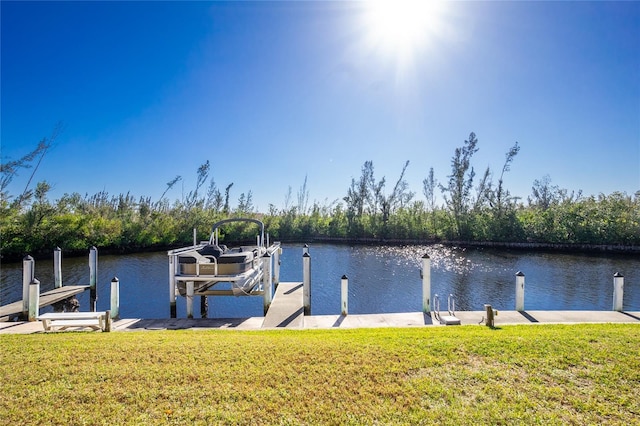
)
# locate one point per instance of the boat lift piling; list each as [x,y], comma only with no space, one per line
[306,281]
[34,300]
[57,268]
[28,275]
[267,280]
[93,278]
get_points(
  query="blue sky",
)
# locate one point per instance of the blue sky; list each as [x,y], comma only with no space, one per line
[271,92]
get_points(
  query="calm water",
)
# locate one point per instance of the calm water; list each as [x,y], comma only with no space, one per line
[381,279]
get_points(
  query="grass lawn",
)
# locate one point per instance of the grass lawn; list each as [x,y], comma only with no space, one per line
[532,374]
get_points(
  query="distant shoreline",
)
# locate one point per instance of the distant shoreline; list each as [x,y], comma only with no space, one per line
[501,245]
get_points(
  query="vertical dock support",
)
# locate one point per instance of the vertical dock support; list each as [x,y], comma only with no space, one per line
[28,274]
[344,295]
[618,291]
[93,278]
[57,268]
[189,299]
[306,282]
[173,264]
[425,274]
[115,298]
[519,291]
[34,300]
[204,306]
[276,267]
[267,281]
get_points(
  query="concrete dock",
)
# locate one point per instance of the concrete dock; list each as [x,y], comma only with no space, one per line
[411,319]
[286,311]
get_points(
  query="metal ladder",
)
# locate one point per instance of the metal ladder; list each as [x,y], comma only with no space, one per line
[450,319]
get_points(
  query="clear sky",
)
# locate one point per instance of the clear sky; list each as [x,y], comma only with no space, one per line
[271,92]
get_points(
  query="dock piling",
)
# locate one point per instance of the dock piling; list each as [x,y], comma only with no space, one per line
[276,267]
[34,300]
[173,264]
[189,299]
[344,293]
[618,291]
[28,273]
[267,281]
[306,281]
[425,274]
[115,298]
[519,291]
[57,268]
[93,278]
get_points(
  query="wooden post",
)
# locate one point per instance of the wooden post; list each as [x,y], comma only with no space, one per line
[57,268]
[173,265]
[189,299]
[115,298]
[28,273]
[425,274]
[267,282]
[34,300]
[618,291]
[93,278]
[490,321]
[519,291]
[107,321]
[306,282]
[344,295]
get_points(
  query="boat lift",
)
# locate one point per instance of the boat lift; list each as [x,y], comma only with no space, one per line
[249,270]
[450,319]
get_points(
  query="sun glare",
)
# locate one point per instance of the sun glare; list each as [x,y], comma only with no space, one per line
[403,25]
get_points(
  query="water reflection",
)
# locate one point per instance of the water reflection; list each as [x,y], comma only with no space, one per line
[381,279]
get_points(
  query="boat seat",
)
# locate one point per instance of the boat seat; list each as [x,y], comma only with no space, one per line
[211,250]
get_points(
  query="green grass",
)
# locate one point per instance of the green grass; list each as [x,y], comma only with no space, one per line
[551,374]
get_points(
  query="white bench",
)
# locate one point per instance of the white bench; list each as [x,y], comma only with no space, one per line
[64,320]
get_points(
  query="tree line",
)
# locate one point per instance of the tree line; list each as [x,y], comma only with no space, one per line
[475,209]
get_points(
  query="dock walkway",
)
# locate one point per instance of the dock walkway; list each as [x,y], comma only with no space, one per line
[286,309]
[47,298]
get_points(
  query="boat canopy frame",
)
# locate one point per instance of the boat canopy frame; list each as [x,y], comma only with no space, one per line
[213,239]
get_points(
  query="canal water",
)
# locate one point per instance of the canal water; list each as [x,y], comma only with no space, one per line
[382,279]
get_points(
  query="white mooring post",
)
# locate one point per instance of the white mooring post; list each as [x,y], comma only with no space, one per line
[195,236]
[618,291]
[173,264]
[28,273]
[306,282]
[425,273]
[115,298]
[344,295]
[93,278]
[519,291]
[57,268]
[267,281]
[276,267]
[34,300]
[189,299]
